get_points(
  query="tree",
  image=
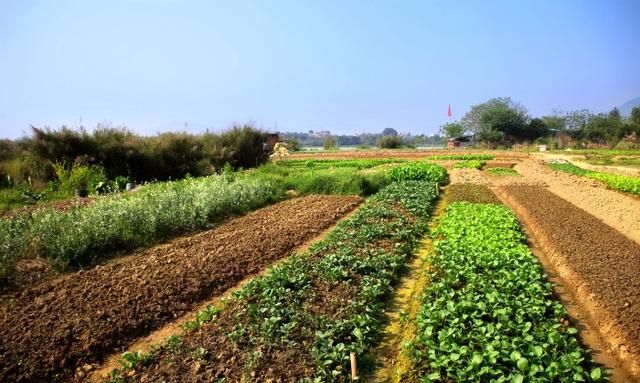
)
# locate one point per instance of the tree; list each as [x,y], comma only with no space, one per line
[498,115]
[389,132]
[452,129]
[330,143]
[390,142]
[634,117]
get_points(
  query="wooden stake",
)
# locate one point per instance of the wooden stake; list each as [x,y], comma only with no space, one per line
[437,188]
[354,367]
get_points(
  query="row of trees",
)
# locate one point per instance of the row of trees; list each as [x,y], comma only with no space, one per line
[298,139]
[502,121]
[120,152]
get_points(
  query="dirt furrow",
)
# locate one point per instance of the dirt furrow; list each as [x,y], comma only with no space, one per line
[616,209]
[46,332]
[599,265]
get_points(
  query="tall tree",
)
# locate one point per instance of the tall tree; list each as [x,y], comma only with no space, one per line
[452,129]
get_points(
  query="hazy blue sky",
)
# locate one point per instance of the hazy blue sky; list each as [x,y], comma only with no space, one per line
[345,66]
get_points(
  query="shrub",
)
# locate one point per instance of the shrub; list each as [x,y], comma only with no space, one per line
[390,142]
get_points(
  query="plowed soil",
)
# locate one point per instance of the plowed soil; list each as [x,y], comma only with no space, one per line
[471,193]
[47,331]
[597,262]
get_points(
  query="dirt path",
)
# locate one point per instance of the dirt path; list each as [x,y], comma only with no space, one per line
[599,266]
[46,332]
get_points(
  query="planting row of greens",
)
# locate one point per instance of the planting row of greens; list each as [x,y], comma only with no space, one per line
[469,164]
[446,157]
[419,171]
[627,184]
[85,234]
[340,180]
[324,164]
[319,305]
[487,314]
[82,235]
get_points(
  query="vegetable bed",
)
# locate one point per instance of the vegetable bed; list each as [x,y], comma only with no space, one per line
[301,320]
[618,182]
[488,315]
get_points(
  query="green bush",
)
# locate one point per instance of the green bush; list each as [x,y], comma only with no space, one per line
[80,177]
[419,171]
[390,142]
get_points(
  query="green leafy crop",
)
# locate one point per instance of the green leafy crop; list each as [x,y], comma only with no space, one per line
[471,164]
[488,315]
[618,182]
[419,171]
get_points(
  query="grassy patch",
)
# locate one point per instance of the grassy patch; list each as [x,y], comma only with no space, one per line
[503,172]
[469,164]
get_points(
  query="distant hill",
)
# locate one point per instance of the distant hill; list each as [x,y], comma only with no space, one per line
[625,109]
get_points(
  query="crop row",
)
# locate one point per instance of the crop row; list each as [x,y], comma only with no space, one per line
[82,235]
[618,182]
[86,234]
[419,171]
[446,157]
[487,313]
[470,164]
[315,308]
[324,164]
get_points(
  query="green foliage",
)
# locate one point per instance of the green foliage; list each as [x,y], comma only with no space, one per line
[447,157]
[627,184]
[81,177]
[390,142]
[452,129]
[488,314]
[311,177]
[83,235]
[423,171]
[503,172]
[326,164]
[330,144]
[470,164]
[277,310]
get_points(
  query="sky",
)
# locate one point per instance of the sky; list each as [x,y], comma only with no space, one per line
[346,66]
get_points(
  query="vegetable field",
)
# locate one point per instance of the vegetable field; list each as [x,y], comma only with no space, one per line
[291,272]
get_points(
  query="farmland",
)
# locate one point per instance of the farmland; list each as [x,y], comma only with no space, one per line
[420,266]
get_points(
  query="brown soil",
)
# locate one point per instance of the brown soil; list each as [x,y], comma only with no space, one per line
[617,210]
[27,272]
[62,205]
[49,330]
[599,264]
[158,337]
[407,154]
[471,193]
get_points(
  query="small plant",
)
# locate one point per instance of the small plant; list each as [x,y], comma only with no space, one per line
[469,164]
[508,172]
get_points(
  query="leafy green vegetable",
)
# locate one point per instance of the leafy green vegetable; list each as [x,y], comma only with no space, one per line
[419,171]
[627,184]
[488,314]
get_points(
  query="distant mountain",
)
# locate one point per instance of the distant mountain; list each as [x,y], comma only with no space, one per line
[625,109]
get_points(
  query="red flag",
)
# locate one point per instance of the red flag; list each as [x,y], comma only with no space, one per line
[449,112]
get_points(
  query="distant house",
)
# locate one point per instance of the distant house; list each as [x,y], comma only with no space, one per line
[458,142]
[272,139]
